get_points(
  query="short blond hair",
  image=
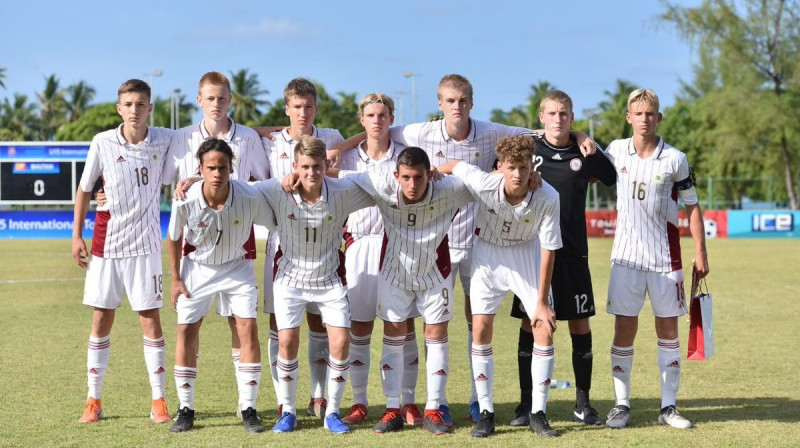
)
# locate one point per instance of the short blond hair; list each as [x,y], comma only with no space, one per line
[646,96]
[373,98]
[557,96]
[310,147]
[214,78]
[516,149]
[454,81]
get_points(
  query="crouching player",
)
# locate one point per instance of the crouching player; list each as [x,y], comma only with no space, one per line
[507,257]
[215,221]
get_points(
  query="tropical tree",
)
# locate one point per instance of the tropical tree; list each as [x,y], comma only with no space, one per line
[51,108]
[163,114]
[18,120]
[2,77]
[611,122]
[526,116]
[97,118]
[246,102]
[77,99]
[754,48]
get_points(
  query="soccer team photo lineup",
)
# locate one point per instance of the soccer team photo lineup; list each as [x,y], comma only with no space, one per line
[378,229]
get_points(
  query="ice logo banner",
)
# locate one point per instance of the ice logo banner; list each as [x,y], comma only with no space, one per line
[773,222]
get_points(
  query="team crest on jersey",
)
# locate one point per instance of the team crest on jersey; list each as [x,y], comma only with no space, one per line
[154,157]
[236,222]
[659,178]
[575,164]
[330,217]
[527,220]
[476,155]
[431,208]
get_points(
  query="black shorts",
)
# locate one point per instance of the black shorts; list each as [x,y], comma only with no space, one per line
[572,292]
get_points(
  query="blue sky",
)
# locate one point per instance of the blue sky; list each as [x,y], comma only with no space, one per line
[502,46]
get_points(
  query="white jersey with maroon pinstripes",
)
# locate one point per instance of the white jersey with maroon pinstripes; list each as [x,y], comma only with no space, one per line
[367,221]
[647,206]
[311,235]
[128,225]
[249,157]
[281,150]
[503,224]
[415,255]
[215,237]
[477,149]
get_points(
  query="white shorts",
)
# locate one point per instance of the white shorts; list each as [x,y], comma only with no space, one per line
[461,263]
[435,305]
[269,277]
[627,288]
[233,283]
[140,277]
[498,270]
[290,303]
[362,271]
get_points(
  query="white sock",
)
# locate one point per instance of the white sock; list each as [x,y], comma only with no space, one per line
[318,354]
[96,365]
[184,383]
[337,381]
[272,357]
[411,369]
[621,367]
[287,384]
[249,378]
[359,367]
[155,360]
[392,367]
[669,364]
[473,395]
[235,355]
[541,372]
[437,369]
[483,375]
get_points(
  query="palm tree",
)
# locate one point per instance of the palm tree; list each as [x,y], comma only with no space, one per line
[613,124]
[51,108]
[18,119]
[537,93]
[246,95]
[2,77]
[78,97]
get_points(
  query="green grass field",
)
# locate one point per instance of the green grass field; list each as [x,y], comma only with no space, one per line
[745,396]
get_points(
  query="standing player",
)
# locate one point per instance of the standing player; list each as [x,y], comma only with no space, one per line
[646,256]
[415,276]
[564,167]
[249,160]
[363,241]
[300,96]
[216,221]
[126,244]
[308,271]
[507,258]
[461,138]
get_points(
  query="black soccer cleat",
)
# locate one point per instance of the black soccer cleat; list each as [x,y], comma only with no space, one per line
[252,423]
[522,415]
[541,426]
[184,422]
[485,425]
[586,415]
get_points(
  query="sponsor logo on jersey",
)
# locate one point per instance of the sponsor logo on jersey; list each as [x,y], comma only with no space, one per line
[439,372]
[492,212]
[386,367]
[623,170]
[158,297]
[120,159]
[201,225]
[284,156]
[439,154]
[575,164]
[557,156]
[481,377]
[292,217]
